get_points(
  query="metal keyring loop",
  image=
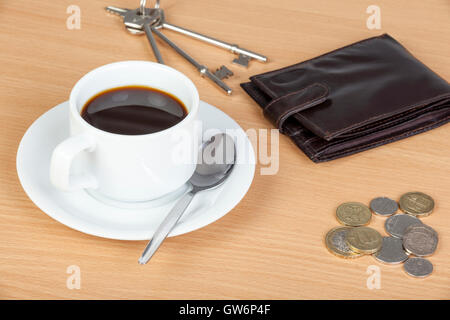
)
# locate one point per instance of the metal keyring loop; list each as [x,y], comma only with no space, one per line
[142,6]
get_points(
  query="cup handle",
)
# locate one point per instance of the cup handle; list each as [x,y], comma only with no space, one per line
[61,162]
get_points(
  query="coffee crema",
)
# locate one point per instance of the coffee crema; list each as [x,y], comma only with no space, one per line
[133,110]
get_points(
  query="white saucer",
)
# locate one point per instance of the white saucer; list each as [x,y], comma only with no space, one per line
[80,211]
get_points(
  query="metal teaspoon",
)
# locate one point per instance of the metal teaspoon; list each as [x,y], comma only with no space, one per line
[218,156]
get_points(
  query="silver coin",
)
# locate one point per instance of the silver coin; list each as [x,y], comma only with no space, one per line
[418,267]
[383,206]
[391,251]
[420,240]
[397,224]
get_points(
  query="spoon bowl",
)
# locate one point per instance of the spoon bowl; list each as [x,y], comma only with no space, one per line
[216,162]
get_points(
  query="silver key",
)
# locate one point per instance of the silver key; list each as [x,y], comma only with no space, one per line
[144,19]
[223,72]
[204,71]
[119,11]
[242,60]
[219,43]
[134,20]
[149,32]
[137,23]
[122,12]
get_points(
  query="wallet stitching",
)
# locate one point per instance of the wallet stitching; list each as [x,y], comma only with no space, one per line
[306,147]
[408,120]
[289,94]
[362,123]
[401,110]
[318,99]
[280,119]
[387,140]
[383,142]
[258,78]
[316,157]
[382,123]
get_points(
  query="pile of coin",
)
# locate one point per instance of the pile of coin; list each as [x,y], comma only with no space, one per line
[410,240]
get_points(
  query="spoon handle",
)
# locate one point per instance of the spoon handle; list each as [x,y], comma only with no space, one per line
[166,226]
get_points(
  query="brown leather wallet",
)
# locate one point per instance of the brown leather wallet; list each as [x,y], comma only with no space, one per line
[355,98]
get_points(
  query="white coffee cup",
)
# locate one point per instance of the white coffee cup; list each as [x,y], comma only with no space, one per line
[127,167]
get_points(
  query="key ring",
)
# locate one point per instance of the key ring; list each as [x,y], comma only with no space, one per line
[142,6]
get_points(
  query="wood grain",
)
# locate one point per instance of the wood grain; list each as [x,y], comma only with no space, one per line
[271,244]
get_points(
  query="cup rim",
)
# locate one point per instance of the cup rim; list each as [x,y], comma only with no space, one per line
[91,74]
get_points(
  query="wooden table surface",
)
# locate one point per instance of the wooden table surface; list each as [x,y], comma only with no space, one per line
[271,246]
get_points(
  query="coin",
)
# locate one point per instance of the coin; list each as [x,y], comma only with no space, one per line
[383,206]
[391,251]
[353,214]
[416,203]
[335,242]
[397,224]
[364,240]
[420,240]
[418,267]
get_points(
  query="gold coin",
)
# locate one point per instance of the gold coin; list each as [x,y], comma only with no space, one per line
[416,204]
[364,240]
[353,214]
[336,243]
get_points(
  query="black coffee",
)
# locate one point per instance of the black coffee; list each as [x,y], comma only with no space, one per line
[133,110]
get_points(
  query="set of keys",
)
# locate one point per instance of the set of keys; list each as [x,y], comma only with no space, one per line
[151,20]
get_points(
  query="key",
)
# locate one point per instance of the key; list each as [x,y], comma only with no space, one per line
[134,20]
[242,60]
[223,72]
[244,55]
[122,12]
[149,32]
[204,71]
[219,43]
[118,11]
[137,23]
[142,7]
